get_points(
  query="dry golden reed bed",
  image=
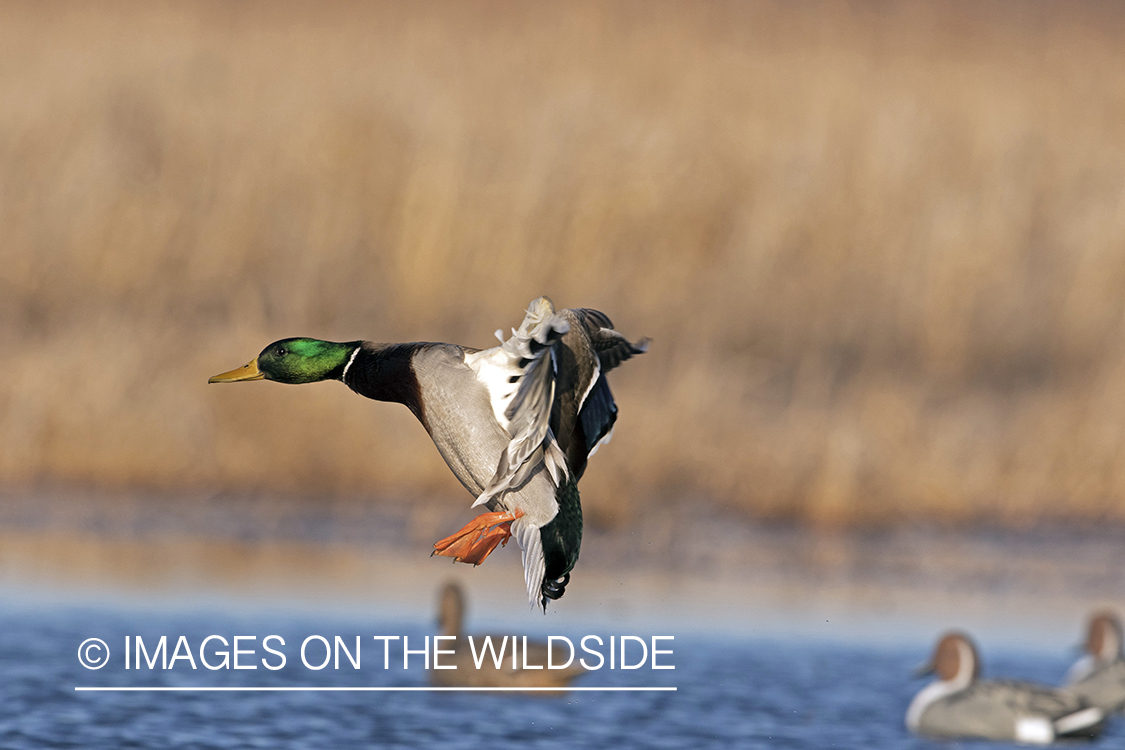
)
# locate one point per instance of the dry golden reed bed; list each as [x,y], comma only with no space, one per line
[880,247]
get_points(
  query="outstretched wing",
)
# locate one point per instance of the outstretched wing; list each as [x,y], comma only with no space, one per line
[585,410]
[549,393]
[611,347]
[527,362]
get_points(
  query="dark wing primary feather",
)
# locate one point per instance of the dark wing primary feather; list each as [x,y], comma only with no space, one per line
[612,348]
[598,415]
[593,354]
[591,318]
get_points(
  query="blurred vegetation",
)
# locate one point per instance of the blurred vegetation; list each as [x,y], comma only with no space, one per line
[880,247]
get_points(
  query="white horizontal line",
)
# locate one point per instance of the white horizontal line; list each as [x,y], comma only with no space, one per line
[370,689]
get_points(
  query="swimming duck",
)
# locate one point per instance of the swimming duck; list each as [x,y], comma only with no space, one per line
[515,423]
[451,614]
[959,704]
[1099,676]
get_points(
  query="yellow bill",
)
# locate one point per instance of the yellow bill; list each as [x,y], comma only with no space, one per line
[248,371]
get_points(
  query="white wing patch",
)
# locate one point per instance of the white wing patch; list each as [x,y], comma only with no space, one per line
[520,378]
[496,369]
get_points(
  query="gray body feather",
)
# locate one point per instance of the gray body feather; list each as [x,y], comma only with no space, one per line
[1004,710]
[1102,686]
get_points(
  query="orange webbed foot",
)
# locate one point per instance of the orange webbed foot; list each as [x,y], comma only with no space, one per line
[475,542]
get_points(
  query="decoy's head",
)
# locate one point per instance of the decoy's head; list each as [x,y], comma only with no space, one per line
[1103,638]
[298,360]
[955,660]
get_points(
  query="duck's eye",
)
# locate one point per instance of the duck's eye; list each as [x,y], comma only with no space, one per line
[282,352]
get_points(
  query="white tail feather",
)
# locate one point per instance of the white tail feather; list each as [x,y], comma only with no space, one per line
[534,566]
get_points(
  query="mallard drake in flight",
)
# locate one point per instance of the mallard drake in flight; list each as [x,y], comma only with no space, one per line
[515,423]
[960,704]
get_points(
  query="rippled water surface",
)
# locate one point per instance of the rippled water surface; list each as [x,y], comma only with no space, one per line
[731,693]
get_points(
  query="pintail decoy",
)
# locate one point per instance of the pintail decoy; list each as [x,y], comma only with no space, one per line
[495,669]
[959,704]
[1099,676]
[515,423]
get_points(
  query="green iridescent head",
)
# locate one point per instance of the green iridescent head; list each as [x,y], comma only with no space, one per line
[295,361]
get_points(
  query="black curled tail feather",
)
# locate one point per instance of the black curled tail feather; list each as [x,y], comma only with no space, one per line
[562,539]
[554,589]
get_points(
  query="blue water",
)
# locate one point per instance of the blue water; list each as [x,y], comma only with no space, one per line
[731,693]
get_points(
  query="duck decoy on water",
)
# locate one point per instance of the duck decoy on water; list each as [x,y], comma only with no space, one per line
[496,667]
[515,423]
[959,704]
[1099,676]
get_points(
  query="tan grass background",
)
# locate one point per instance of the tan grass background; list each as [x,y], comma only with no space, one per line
[880,247]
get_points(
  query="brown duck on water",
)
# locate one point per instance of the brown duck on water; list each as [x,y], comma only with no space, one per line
[493,672]
[515,423]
